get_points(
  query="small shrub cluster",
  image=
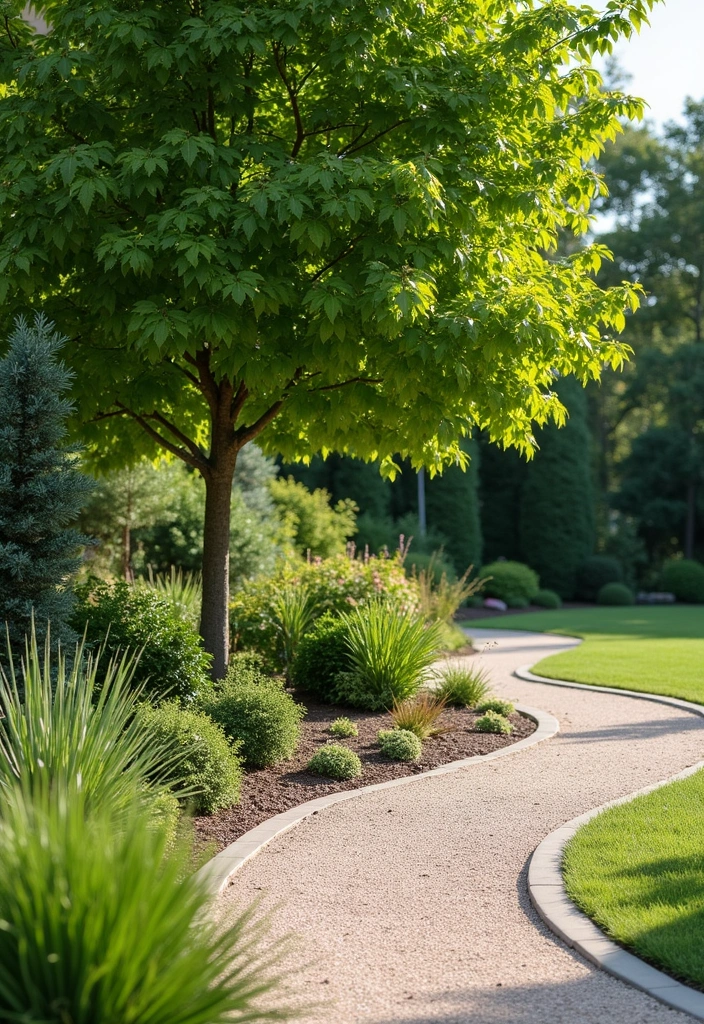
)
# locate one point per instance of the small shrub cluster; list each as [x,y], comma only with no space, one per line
[497,706]
[343,728]
[463,687]
[615,594]
[595,573]
[400,744]
[511,582]
[335,762]
[420,715]
[684,578]
[260,717]
[322,655]
[493,722]
[547,599]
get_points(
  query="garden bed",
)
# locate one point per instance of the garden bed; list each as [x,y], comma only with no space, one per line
[270,791]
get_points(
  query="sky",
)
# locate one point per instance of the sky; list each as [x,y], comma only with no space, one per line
[667,59]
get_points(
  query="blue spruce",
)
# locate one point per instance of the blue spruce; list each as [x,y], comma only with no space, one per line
[41,490]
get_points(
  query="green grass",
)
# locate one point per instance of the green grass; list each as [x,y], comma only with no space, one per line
[656,650]
[638,871]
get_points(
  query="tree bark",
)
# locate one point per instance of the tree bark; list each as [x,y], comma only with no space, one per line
[691,525]
[127,553]
[214,616]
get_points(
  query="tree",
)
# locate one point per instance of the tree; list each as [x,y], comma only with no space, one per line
[41,490]
[316,526]
[324,220]
[453,508]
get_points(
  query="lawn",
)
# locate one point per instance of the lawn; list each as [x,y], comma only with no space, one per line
[657,650]
[638,871]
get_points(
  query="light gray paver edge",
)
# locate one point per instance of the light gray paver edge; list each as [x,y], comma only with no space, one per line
[549,897]
[219,870]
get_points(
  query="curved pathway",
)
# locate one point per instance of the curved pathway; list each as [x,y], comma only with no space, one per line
[410,905]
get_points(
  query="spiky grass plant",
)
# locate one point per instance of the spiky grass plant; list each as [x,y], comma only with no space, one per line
[101,922]
[57,725]
[440,599]
[294,614]
[182,590]
[463,687]
[390,650]
[420,715]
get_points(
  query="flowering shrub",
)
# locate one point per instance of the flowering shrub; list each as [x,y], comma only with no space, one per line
[334,584]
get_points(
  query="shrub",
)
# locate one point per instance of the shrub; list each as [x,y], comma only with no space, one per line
[595,573]
[493,722]
[336,762]
[419,715]
[209,771]
[262,717]
[510,581]
[400,744]
[518,602]
[119,617]
[314,524]
[343,728]
[182,590]
[321,656]
[104,923]
[615,594]
[497,706]
[389,652]
[684,578]
[547,599]
[464,687]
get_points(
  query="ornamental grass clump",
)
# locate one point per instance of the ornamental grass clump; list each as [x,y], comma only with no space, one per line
[420,714]
[493,722]
[463,687]
[390,651]
[497,706]
[335,762]
[400,744]
[343,728]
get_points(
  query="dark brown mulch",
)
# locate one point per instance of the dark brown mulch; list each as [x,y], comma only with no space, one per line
[271,790]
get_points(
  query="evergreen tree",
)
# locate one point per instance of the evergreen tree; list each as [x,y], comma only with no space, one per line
[41,491]
[452,505]
[557,502]
[502,473]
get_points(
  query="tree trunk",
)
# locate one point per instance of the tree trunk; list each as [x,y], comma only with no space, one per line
[214,616]
[127,553]
[690,528]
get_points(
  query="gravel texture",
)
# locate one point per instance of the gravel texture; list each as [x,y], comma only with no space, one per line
[409,905]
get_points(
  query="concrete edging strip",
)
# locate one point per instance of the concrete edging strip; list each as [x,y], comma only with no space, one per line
[549,897]
[219,870]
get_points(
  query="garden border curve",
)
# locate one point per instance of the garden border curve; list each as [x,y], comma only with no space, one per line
[548,895]
[218,871]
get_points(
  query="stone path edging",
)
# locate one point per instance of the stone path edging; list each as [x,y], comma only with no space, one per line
[549,897]
[219,870]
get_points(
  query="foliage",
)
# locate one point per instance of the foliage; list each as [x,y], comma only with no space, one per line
[321,656]
[104,923]
[335,762]
[441,598]
[509,580]
[400,744]
[209,771]
[463,687]
[502,475]
[41,490]
[547,599]
[59,729]
[293,614]
[316,527]
[261,717]
[421,715]
[433,566]
[343,728]
[594,573]
[452,506]
[684,579]
[182,591]
[493,722]
[615,594]
[117,617]
[497,706]
[390,650]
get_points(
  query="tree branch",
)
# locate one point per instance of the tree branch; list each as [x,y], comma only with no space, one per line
[180,453]
[183,438]
[355,149]
[293,98]
[245,434]
[238,401]
[345,252]
[344,383]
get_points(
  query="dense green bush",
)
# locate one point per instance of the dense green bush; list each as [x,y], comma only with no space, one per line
[336,762]
[209,772]
[684,578]
[321,656]
[510,581]
[493,722]
[119,617]
[390,650]
[497,706]
[315,526]
[615,594]
[595,573]
[547,599]
[463,687]
[400,744]
[343,728]
[262,717]
[518,602]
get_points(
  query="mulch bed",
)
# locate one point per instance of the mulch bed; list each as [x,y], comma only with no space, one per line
[270,791]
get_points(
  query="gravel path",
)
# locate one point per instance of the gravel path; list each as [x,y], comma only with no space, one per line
[410,906]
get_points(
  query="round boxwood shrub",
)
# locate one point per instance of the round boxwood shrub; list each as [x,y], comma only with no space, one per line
[615,594]
[493,722]
[496,706]
[547,599]
[336,762]
[321,656]
[262,717]
[510,581]
[684,578]
[595,573]
[400,744]
[119,617]
[209,771]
